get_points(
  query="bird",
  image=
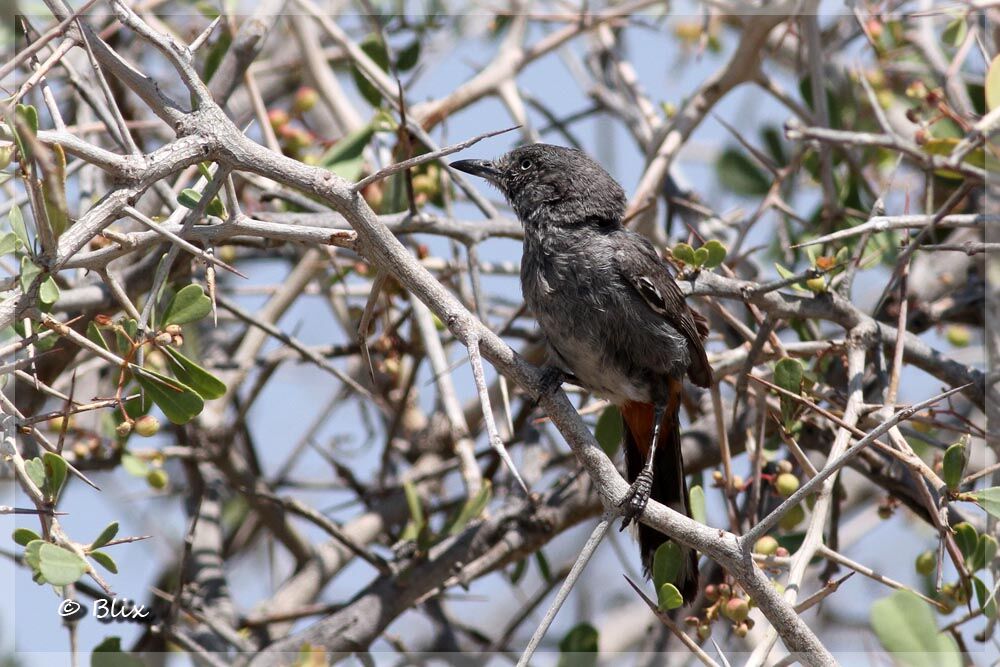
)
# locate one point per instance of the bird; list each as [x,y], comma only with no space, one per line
[613,318]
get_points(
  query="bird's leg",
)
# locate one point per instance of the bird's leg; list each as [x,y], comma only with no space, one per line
[634,502]
[552,379]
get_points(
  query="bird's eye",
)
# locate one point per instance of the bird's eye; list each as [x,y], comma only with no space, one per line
[525,165]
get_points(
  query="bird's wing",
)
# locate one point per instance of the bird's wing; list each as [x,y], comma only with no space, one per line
[645,272]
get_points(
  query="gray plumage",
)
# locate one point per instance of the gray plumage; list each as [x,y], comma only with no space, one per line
[611,314]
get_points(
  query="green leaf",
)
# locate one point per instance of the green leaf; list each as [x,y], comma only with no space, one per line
[54,192]
[904,625]
[786,274]
[945,146]
[668,597]
[520,567]
[473,508]
[189,198]
[543,565]
[700,256]
[30,115]
[131,327]
[788,375]
[411,533]
[683,252]
[989,499]
[609,430]
[413,503]
[740,174]
[189,305]
[772,138]
[408,56]
[346,157]
[7,156]
[953,466]
[134,466]
[417,528]
[109,531]
[48,291]
[374,49]
[95,335]
[55,473]
[29,271]
[109,654]
[23,536]
[216,53]
[105,561]
[993,84]
[179,402]
[36,471]
[26,122]
[123,345]
[207,385]
[967,539]
[17,225]
[716,254]
[8,243]
[955,32]
[31,553]
[987,599]
[986,551]
[582,638]
[667,562]
[696,501]
[59,566]
[216,208]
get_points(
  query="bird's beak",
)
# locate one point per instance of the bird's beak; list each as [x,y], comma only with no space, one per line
[481,168]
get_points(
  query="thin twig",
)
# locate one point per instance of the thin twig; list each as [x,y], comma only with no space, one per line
[596,536]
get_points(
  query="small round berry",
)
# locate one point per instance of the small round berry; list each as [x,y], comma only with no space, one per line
[792,518]
[736,610]
[766,546]
[305,99]
[147,426]
[157,478]
[958,335]
[58,423]
[278,118]
[786,484]
[926,563]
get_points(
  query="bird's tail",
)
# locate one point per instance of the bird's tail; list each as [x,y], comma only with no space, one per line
[669,485]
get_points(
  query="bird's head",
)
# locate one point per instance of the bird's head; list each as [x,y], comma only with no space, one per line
[561,185]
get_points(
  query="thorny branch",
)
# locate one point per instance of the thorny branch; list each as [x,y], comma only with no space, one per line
[153,154]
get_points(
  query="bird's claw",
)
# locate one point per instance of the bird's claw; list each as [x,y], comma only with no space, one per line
[552,378]
[634,502]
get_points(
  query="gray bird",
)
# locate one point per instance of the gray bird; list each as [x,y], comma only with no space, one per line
[614,320]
